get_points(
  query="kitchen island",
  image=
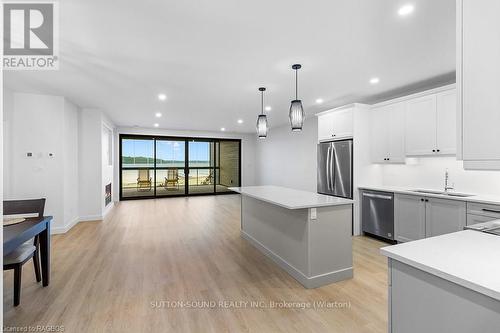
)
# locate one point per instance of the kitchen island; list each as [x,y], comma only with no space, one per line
[305,233]
[448,283]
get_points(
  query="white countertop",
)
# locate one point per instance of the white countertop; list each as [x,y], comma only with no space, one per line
[484,199]
[468,258]
[290,198]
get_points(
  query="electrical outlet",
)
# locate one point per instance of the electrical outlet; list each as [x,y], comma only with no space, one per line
[314,213]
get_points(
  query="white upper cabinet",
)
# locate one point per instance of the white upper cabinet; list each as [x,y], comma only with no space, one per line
[431,124]
[478,80]
[421,126]
[387,133]
[446,127]
[335,124]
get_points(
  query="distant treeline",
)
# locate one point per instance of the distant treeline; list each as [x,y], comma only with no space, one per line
[148,160]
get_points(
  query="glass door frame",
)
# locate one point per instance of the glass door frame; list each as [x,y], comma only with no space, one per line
[186,140]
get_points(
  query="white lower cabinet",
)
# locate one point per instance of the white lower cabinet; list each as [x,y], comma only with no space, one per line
[417,217]
[443,216]
[409,217]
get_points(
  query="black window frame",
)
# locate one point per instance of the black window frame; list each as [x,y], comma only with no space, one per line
[186,140]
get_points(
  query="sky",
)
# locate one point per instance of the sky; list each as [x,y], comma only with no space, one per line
[166,150]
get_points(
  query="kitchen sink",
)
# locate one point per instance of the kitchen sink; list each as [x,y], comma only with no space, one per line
[450,194]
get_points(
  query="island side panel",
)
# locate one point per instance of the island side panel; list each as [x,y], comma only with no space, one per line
[422,302]
[281,233]
[330,243]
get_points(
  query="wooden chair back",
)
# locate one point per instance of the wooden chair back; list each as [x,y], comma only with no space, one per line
[172,174]
[17,207]
[143,174]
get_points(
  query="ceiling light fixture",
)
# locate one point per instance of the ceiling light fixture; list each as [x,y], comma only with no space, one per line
[262,118]
[406,10]
[162,97]
[156,125]
[240,121]
[223,129]
[374,80]
[296,113]
[158,114]
[268,108]
[319,101]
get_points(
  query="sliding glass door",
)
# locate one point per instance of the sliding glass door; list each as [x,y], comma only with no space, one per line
[170,167]
[154,167]
[201,167]
[137,166]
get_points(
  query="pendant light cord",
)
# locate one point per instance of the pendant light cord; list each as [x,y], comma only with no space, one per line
[262,102]
[296,84]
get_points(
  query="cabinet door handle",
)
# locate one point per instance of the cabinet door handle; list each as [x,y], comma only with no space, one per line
[422,199]
[434,150]
[438,150]
[426,200]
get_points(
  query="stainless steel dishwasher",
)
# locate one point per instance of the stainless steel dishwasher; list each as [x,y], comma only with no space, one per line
[377,213]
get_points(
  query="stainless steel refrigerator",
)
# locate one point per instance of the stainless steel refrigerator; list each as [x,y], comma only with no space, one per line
[335,168]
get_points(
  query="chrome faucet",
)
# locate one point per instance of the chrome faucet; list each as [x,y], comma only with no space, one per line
[446,180]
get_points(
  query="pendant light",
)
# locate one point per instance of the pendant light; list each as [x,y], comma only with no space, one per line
[297,113]
[262,118]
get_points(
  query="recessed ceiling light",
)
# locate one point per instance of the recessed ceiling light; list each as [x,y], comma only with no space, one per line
[222,129]
[406,10]
[158,114]
[319,101]
[374,80]
[268,108]
[156,125]
[240,121]
[162,97]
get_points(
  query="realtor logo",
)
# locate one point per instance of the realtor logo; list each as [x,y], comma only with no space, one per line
[30,36]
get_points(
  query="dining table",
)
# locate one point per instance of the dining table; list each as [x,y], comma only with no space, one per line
[16,234]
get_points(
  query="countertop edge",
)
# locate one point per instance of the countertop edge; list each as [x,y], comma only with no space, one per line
[346,201]
[473,198]
[439,273]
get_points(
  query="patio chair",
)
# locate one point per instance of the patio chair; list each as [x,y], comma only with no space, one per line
[172,178]
[208,179]
[144,181]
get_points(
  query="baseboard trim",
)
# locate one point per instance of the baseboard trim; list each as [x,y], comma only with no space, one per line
[66,228]
[76,220]
[307,281]
[90,218]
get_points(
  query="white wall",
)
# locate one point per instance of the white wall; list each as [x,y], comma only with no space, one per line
[92,173]
[428,173]
[70,158]
[247,148]
[288,159]
[42,124]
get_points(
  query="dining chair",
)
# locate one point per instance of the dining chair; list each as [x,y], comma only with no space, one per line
[30,249]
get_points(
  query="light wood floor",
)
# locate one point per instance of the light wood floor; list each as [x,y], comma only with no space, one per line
[107,275]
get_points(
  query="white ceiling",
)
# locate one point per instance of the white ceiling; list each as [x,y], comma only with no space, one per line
[210,57]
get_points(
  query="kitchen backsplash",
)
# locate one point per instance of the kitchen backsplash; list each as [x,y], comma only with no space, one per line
[429,172]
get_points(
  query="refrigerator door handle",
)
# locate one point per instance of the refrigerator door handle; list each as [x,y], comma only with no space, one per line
[333,162]
[328,171]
